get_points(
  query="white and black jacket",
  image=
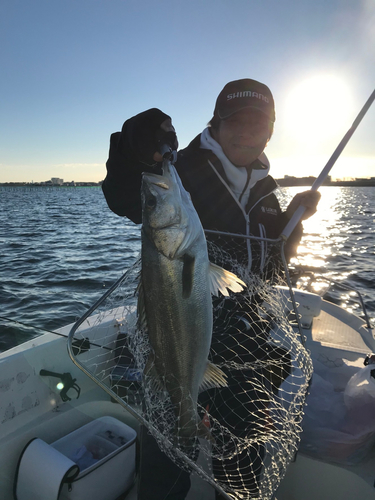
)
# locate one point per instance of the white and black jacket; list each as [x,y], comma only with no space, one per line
[204,177]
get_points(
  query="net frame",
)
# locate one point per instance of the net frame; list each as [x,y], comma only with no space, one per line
[271,439]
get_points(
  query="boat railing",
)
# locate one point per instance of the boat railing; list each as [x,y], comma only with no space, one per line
[331,282]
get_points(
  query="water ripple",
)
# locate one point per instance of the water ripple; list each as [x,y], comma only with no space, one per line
[62,248]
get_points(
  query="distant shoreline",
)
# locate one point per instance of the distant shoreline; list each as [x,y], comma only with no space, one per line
[308,182]
[44,185]
[284,182]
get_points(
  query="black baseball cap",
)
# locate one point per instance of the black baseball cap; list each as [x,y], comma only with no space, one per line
[242,94]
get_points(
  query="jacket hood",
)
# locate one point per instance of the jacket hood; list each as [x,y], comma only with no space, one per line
[239,179]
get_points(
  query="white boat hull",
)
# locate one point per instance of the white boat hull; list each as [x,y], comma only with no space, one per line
[31,407]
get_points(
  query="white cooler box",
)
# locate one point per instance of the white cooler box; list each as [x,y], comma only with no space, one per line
[94,462]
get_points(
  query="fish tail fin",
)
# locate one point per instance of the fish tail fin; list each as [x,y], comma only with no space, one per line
[222,280]
[213,377]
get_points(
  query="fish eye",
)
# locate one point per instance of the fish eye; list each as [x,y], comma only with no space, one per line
[151,202]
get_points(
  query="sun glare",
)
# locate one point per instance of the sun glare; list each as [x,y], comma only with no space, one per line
[318,109]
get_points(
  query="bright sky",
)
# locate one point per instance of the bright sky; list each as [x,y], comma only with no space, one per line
[72,71]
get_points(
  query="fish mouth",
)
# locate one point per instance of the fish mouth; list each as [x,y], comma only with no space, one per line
[172,227]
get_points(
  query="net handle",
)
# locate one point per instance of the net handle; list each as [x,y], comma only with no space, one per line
[296,217]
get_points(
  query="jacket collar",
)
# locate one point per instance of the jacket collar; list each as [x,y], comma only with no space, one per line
[239,181]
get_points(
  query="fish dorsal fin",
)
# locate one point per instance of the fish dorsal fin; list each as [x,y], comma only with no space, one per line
[213,377]
[187,275]
[222,280]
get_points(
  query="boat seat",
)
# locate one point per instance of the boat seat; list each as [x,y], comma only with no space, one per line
[94,462]
[41,472]
[309,305]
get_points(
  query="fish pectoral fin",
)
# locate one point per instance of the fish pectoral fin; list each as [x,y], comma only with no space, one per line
[222,280]
[213,377]
[187,275]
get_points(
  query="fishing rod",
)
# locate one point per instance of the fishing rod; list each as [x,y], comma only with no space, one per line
[323,174]
[31,327]
[81,344]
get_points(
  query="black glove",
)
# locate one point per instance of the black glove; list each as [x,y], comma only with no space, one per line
[144,135]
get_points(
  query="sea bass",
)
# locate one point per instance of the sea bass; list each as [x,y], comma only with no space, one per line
[174,301]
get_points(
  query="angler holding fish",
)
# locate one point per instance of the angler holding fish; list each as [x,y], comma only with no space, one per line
[226,173]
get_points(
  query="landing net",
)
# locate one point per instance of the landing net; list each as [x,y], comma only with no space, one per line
[255,422]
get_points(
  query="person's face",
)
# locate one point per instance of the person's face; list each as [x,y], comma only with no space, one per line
[243,136]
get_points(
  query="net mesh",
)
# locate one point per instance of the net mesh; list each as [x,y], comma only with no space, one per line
[254,423]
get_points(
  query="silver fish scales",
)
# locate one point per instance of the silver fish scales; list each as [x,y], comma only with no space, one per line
[175,304]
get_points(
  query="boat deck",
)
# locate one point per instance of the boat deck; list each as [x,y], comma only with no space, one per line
[338,342]
[339,332]
[30,407]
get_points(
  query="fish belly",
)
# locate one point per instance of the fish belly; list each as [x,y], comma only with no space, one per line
[179,329]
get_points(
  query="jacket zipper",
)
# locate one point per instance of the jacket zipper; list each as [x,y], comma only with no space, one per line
[247,219]
[263,244]
[246,216]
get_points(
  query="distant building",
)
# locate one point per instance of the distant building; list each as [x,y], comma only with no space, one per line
[56,181]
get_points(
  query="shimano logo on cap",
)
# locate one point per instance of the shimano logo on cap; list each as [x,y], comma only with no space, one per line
[247,93]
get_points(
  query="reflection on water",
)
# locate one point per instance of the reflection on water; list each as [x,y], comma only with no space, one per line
[339,241]
[324,234]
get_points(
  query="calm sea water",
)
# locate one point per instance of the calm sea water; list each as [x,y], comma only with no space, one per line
[61,248]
